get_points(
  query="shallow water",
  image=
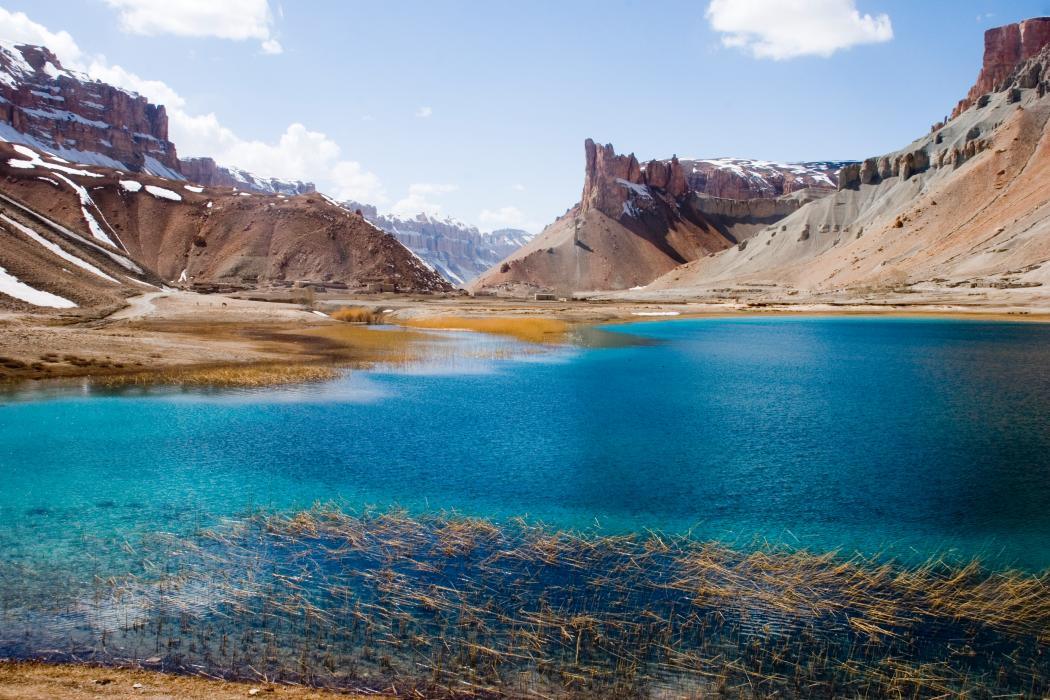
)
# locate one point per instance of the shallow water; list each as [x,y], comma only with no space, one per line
[908,437]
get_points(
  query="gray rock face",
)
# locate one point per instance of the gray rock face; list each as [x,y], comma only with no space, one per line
[457,251]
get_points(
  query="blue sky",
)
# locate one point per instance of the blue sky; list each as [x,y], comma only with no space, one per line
[479,109]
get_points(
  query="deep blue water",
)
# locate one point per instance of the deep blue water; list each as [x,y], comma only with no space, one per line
[908,437]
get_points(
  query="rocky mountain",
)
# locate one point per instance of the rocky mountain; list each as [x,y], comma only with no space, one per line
[188,235]
[458,251]
[93,206]
[636,221]
[205,171]
[632,224]
[48,107]
[964,207]
[962,211]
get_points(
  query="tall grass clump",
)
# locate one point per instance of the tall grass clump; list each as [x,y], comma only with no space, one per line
[358,314]
[446,606]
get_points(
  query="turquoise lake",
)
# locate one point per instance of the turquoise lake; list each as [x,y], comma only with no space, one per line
[910,438]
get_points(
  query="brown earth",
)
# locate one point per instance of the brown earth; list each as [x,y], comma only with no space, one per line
[214,236]
[39,681]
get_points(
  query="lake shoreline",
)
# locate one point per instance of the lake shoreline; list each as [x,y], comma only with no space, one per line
[185,339]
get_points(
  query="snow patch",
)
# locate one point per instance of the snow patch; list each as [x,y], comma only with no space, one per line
[83,264]
[131,185]
[636,189]
[163,193]
[13,287]
[193,188]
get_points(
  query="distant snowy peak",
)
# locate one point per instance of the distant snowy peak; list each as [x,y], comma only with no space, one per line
[743,178]
[206,171]
[457,250]
[48,107]
[509,239]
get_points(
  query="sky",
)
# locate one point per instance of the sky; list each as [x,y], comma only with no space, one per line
[478,110]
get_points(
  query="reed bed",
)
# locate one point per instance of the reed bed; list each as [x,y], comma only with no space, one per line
[359,314]
[530,329]
[447,606]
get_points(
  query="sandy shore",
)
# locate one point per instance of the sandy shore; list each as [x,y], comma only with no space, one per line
[39,681]
[181,337]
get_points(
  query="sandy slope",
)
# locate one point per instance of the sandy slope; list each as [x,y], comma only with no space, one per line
[975,229]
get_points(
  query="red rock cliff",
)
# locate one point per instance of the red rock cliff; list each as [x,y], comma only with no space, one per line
[608,177]
[72,114]
[1005,49]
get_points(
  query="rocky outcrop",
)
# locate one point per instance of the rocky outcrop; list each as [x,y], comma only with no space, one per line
[78,118]
[611,179]
[874,170]
[739,219]
[205,171]
[1005,49]
[633,223]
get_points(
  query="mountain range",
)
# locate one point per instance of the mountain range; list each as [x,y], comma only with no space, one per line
[961,210]
[96,205]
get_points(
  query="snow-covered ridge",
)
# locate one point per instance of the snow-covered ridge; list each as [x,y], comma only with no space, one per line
[458,251]
[768,175]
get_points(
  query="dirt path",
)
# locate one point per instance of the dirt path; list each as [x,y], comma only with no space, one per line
[138,307]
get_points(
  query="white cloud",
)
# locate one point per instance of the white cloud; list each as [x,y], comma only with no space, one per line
[18,28]
[506,217]
[783,29]
[419,199]
[297,153]
[238,20]
[424,112]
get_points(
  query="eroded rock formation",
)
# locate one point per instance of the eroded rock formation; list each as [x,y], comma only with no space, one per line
[1006,48]
[81,119]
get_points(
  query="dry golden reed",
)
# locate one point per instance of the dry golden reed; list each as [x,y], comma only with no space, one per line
[358,314]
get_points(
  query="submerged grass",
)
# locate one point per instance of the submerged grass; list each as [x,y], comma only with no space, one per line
[531,329]
[449,606]
[225,376]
